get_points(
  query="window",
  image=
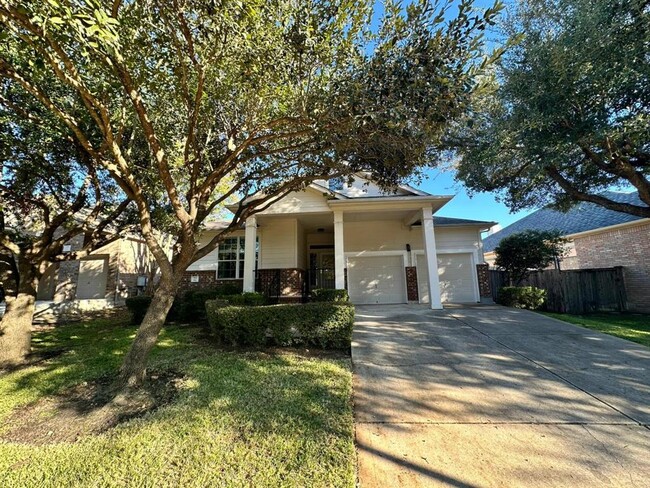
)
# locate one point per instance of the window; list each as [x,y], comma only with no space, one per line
[336,183]
[231,258]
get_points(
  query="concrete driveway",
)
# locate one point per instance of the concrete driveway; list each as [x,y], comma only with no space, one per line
[489,396]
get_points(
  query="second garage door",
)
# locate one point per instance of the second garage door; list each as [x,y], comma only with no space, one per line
[376,279]
[456,276]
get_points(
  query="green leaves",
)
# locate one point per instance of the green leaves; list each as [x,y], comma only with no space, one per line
[570,114]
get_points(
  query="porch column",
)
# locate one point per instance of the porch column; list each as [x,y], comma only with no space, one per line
[431,257]
[339,253]
[249,254]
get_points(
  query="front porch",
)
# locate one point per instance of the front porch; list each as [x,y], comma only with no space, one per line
[372,252]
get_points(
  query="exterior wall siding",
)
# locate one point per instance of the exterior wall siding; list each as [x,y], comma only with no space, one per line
[278,241]
[628,247]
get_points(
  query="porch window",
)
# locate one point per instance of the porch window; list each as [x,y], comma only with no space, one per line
[230,263]
[230,258]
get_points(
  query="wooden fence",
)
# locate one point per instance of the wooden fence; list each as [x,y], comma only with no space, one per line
[574,291]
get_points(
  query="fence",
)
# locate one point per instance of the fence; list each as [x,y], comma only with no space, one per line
[574,291]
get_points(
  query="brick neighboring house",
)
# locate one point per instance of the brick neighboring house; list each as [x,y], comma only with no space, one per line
[598,238]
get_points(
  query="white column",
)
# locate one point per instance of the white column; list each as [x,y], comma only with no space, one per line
[431,257]
[249,254]
[339,252]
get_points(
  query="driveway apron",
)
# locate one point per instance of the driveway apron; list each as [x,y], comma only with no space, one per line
[489,396]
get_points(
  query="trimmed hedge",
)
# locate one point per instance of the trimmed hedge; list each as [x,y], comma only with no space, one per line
[329,295]
[190,307]
[138,307]
[527,297]
[321,324]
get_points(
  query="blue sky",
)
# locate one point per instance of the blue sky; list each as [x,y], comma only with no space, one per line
[482,206]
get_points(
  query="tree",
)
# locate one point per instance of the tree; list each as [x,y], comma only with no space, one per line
[519,254]
[270,94]
[570,114]
[49,194]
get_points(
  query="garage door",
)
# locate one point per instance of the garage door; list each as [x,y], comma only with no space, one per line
[456,277]
[92,279]
[376,279]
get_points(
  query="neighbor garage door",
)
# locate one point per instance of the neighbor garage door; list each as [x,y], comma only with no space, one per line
[92,279]
[377,279]
[456,278]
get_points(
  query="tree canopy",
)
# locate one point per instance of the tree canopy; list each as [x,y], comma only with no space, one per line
[569,115]
[174,97]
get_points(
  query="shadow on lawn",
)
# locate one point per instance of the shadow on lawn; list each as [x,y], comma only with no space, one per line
[272,391]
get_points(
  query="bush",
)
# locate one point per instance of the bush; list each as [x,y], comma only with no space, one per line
[325,325]
[329,295]
[138,307]
[521,297]
[192,305]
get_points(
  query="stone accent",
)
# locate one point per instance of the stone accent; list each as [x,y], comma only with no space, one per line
[628,247]
[483,274]
[412,284]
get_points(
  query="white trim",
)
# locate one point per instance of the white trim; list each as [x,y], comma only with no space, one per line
[339,251]
[373,254]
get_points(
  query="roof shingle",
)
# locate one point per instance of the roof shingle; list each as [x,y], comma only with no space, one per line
[580,218]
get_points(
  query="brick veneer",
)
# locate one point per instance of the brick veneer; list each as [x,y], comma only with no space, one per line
[290,287]
[207,279]
[483,274]
[628,247]
[412,284]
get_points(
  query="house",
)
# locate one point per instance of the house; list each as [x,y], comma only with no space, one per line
[598,238]
[101,280]
[383,246]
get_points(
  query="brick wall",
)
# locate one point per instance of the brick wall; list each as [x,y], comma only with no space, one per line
[207,279]
[412,284]
[483,274]
[628,247]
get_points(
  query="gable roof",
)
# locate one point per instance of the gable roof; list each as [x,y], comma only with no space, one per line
[582,217]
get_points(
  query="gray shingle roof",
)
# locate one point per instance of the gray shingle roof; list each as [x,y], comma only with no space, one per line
[450,221]
[580,218]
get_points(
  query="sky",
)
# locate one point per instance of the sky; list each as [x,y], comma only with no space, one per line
[481,206]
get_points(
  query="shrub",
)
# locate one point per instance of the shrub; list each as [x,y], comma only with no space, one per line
[329,295]
[249,299]
[326,325]
[138,307]
[193,302]
[521,297]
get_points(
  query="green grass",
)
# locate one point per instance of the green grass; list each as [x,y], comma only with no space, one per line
[632,327]
[242,419]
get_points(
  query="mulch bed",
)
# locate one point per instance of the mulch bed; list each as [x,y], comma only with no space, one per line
[86,409]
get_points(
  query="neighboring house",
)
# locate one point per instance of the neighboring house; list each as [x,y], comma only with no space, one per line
[101,280]
[598,238]
[384,247]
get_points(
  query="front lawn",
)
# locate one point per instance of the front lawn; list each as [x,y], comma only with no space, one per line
[238,419]
[633,327]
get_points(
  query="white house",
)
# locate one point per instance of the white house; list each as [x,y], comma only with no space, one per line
[384,247]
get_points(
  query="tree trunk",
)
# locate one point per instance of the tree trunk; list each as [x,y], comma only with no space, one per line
[134,367]
[16,324]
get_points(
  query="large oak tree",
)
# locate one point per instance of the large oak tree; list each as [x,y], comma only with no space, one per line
[270,94]
[570,114]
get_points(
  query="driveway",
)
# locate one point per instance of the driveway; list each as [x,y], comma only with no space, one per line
[490,396]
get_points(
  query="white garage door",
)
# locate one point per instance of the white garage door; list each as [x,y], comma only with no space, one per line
[377,279]
[456,278]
